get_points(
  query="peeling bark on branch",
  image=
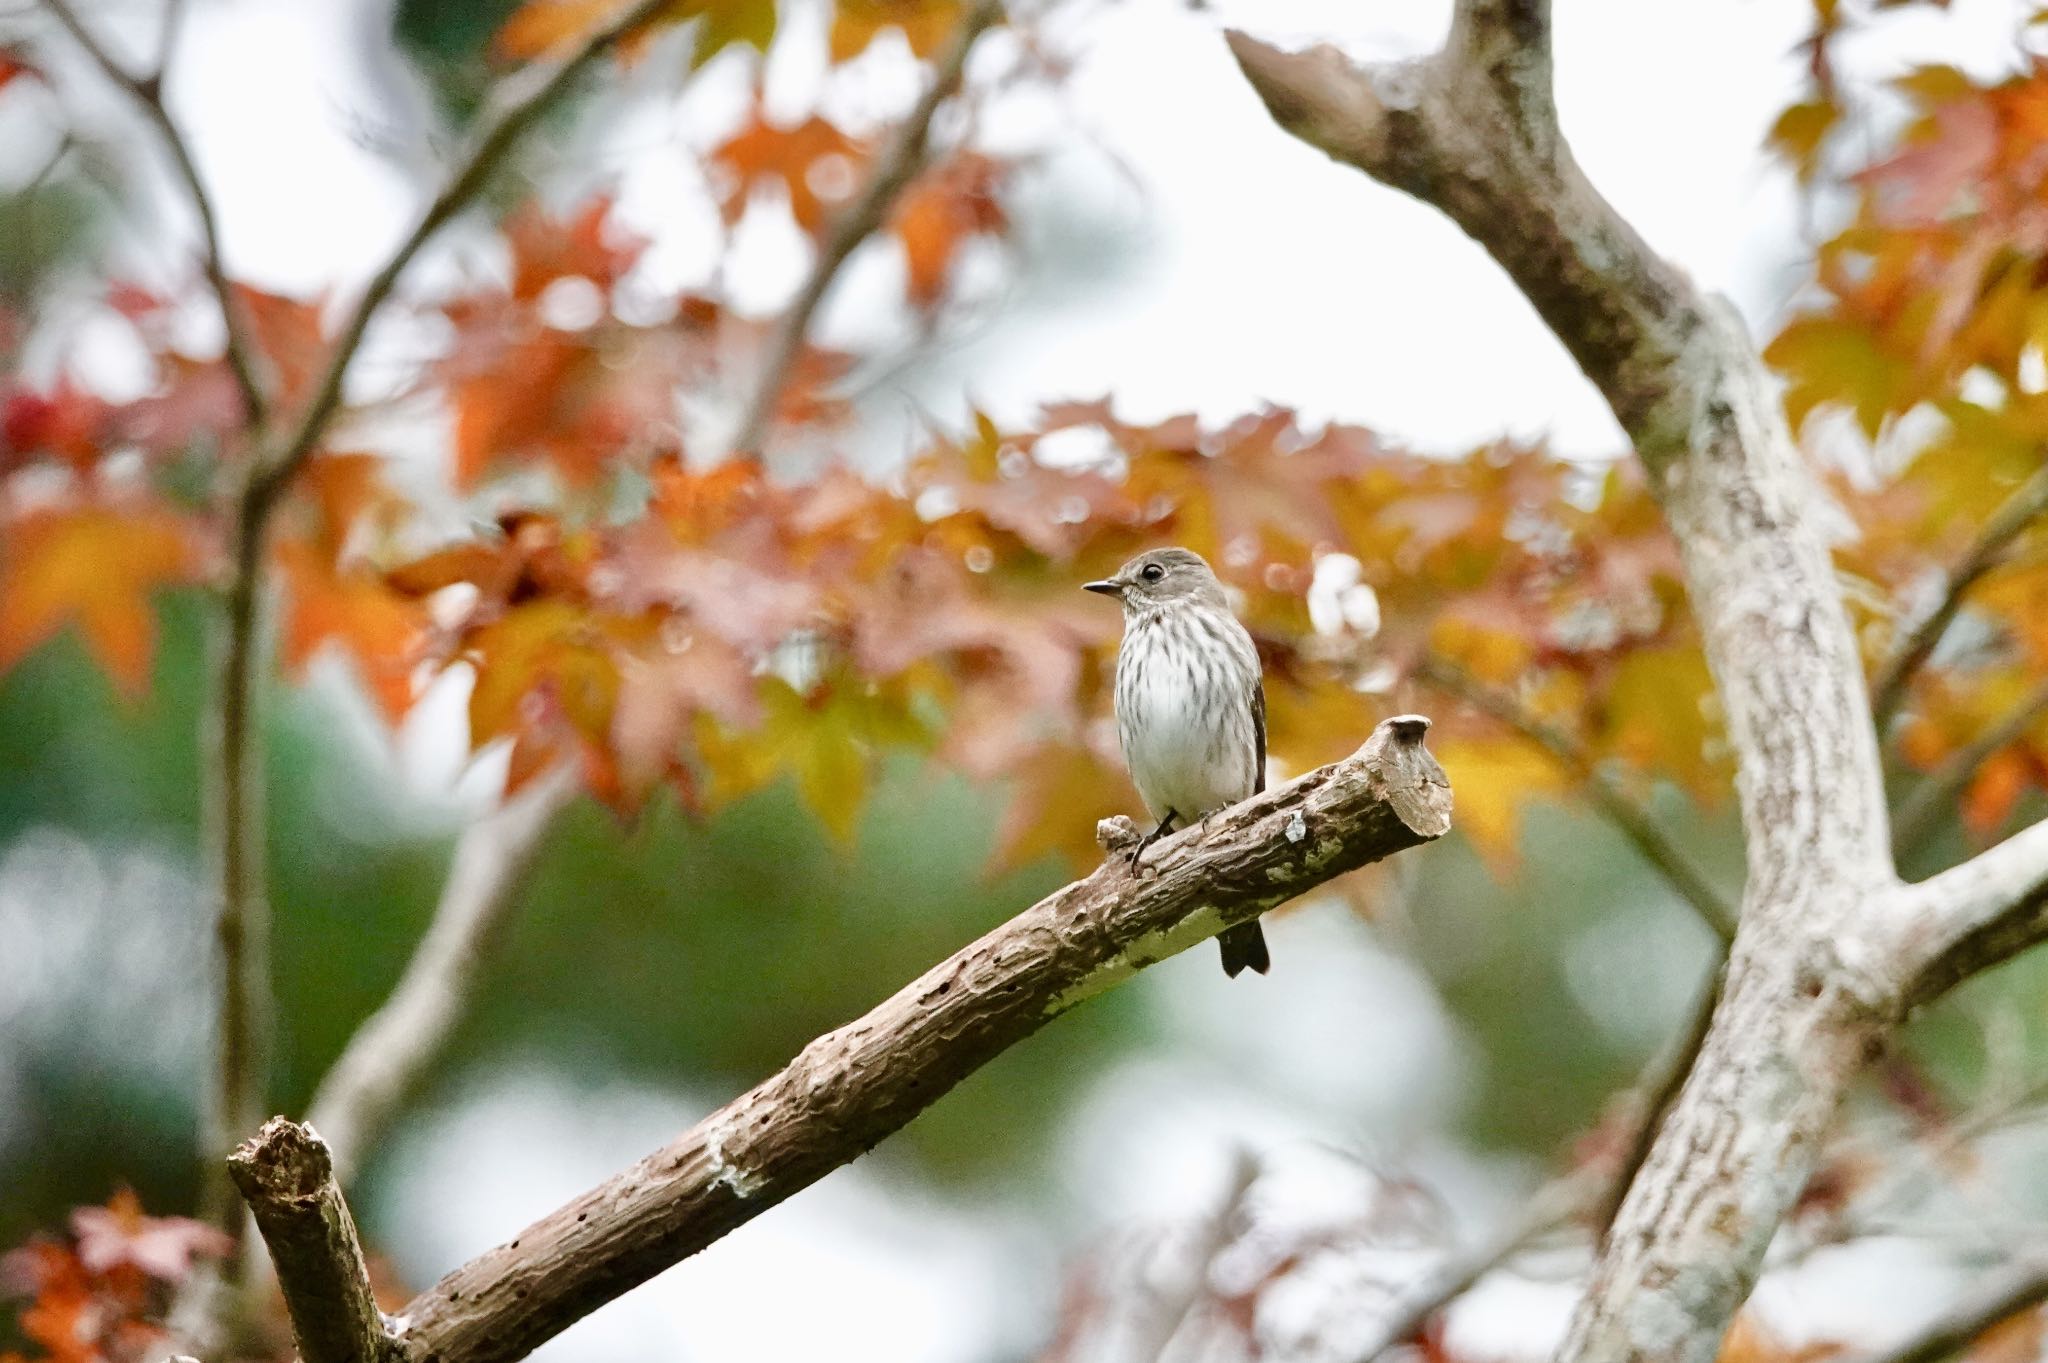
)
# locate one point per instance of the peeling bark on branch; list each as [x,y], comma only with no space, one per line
[287,1178]
[854,1086]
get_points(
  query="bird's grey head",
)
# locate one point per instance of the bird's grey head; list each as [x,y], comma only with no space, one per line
[1160,578]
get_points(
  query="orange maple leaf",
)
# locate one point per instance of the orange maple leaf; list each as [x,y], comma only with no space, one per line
[289,333]
[544,397]
[937,214]
[383,630]
[815,163]
[545,248]
[542,28]
[93,566]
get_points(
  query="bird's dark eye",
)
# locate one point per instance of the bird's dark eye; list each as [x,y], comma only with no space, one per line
[1152,572]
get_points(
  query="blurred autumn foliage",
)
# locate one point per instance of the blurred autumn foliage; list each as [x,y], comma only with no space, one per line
[628,596]
[96,1293]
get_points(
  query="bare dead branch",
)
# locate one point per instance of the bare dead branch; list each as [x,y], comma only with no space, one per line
[147,94]
[2018,1289]
[1605,794]
[1936,798]
[384,1061]
[286,1176]
[2014,515]
[852,1087]
[894,169]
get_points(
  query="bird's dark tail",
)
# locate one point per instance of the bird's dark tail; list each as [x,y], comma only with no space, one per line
[1244,946]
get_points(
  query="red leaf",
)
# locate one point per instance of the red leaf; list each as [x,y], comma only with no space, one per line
[13,65]
[163,1247]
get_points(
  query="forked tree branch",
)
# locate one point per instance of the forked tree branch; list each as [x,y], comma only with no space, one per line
[235,804]
[1831,949]
[852,1087]
[2013,516]
[1969,918]
[384,1062]
[285,1174]
[894,169]
[147,92]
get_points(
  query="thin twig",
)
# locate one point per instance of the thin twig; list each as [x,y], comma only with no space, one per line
[1179,1303]
[147,92]
[234,820]
[237,816]
[894,169]
[504,132]
[1934,799]
[1606,795]
[286,1174]
[1656,1089]
[2012,1292]
[1554,1205]
[383,1062]
[1590,1192]
[2013,516]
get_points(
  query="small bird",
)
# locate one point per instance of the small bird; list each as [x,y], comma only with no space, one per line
[1190,706]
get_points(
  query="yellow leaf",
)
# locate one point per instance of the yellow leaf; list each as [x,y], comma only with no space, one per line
[1494,779]
[925,24]
[827,740]
[1833,360]
[93,567]
[1659,708]
[1799,132]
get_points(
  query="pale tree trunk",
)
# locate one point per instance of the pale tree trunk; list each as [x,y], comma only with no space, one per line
[1832,949]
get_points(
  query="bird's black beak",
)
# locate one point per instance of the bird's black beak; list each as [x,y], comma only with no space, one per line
[1106,588]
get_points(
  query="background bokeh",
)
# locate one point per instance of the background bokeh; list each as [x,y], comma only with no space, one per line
[1443,1028]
